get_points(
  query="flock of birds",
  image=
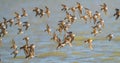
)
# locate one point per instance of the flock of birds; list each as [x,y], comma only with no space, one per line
[63,26]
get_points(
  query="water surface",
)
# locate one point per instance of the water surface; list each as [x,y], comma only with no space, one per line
[104,51]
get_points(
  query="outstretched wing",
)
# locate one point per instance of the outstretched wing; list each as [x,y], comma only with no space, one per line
[63,5]
[13,41]
[23,10]
[104,4]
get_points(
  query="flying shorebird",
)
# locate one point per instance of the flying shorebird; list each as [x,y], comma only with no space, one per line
[95,32]
[60,44]
[41,13]
[73,10]
[88,13]
[26,25]
[24,13]
[15,52]
[101,22]
[84,18]
[14,46]
[48,29]
[11,21]
[55,37]
[47,11]
[26,40]
[5,22]
[20,31]
[19,23]
[25,49]
[37,11]
[65,8]
[3,32]
[104,8]
[89,41]
[110,36]
[17,15]
[117,14]
[79,7]
[67,40]
[32,49]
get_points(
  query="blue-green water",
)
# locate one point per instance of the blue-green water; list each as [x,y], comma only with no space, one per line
[103,52]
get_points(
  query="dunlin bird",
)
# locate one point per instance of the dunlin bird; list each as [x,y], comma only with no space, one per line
[26,40]
[95,32]
[65,8]
[3,32]
[89,41]
[41,13]
[25,49]
[73,18]
[55,37]
[24,13]
[68,16]
[104,8]
[19,23]
[60,44]
[15,52]
[47,11]
[110,36]
[48,30]
[73,10]
[11,21]
[37,11]
[61,26]
[101,22]
[85,17]
[117,14]
[67,40]
[95,18]
[59,29]
[88,13]
[26,25]
[32,49]
[20,31]
[79,7]
[71,35]
[14,46]
[30,55]
[5,22]
[17,15]
[98,27]
[98,14]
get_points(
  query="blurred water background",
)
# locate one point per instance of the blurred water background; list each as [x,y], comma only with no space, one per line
[103,52]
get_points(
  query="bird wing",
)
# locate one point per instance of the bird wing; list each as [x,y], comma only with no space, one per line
[23,10]
[25,22]
[47,26]
[105,5]
[63,5]
[13,41]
